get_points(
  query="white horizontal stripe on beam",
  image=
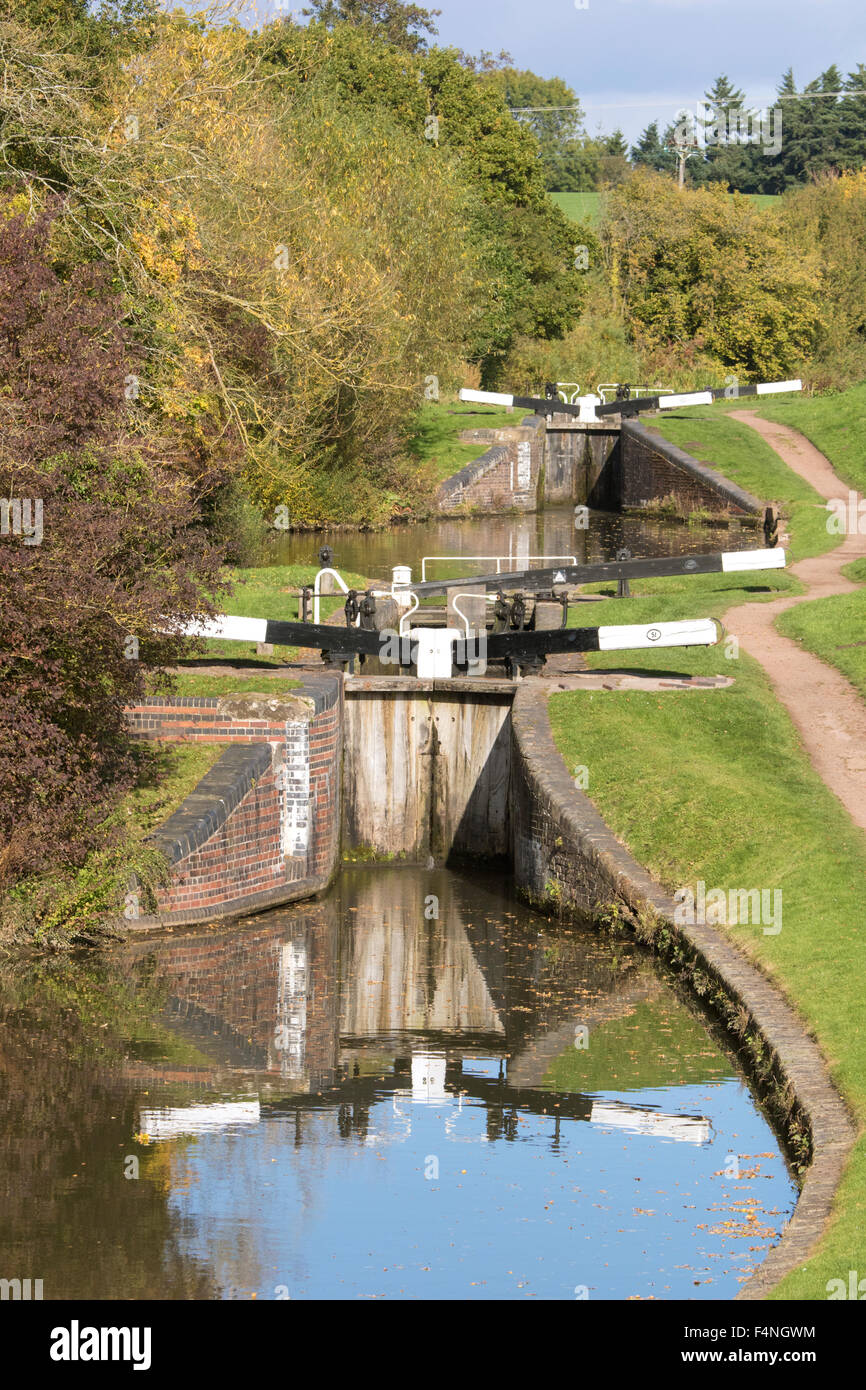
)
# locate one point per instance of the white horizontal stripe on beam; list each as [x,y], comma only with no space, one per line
[694,632]
[486,397]
[737,560]
[772,388]
[695,398]
[230,629]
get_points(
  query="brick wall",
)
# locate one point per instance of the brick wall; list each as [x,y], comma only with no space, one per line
[651,469]
[263,826]
[503,479]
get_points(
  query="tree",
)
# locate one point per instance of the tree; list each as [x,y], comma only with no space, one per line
[104,552]
[613,165]
[551,110]
[465,119]
[101,33]
[828,216]
[852,120]
[811,127]
[732,155]
[652,152]
[698,267]
[400,24]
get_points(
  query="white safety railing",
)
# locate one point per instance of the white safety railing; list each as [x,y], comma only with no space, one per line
[317,593]
[404,617]
[489,598]
[523,561]
[568,390]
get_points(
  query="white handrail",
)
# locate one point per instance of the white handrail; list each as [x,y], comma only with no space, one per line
[489,598]
[563,387]
[317,593]
[404,617]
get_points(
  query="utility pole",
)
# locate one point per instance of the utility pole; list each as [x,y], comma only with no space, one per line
[684,141]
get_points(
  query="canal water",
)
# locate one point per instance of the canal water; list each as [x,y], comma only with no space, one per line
[517,539]
[414,1088]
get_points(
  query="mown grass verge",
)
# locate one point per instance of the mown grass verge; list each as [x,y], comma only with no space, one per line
[736,451]
[436,440]
[834,628]
[835,423]
[714,786]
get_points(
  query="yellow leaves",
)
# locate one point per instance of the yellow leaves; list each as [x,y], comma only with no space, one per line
[168,248]
[16,205]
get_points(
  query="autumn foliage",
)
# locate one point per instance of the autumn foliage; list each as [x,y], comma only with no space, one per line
[120,552]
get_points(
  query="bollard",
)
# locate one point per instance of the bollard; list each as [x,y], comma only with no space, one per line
[622,588]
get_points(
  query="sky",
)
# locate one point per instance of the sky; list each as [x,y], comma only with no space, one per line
[632,61]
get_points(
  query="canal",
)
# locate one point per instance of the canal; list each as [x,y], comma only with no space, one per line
[516,538]
[412,1088]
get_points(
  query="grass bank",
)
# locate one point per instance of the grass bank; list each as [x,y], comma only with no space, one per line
[715,787]
[436,441]
[834,628]
[733,449]
[835,423]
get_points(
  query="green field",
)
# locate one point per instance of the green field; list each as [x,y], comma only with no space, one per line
[586,207]
[580,207]
[727,795]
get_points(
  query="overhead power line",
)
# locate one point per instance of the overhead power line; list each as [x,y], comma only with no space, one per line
[639,105]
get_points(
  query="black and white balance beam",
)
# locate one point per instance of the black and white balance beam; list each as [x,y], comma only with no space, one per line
[589,406]
[665,566]
[434,651]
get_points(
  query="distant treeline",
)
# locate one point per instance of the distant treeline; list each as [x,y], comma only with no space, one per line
[814,130]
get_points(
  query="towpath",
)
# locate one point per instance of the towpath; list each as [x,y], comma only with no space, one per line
[827,710]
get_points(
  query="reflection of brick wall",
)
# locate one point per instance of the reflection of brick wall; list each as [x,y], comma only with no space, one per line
[503,479]
[230,990]
[652,469]
[263,826]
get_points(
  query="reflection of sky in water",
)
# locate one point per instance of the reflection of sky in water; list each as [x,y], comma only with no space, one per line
[623,1213]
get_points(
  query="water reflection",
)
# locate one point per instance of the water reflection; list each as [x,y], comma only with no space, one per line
[415,1088]
[552,533]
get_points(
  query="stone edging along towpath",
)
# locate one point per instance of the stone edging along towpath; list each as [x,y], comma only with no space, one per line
[564,841]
